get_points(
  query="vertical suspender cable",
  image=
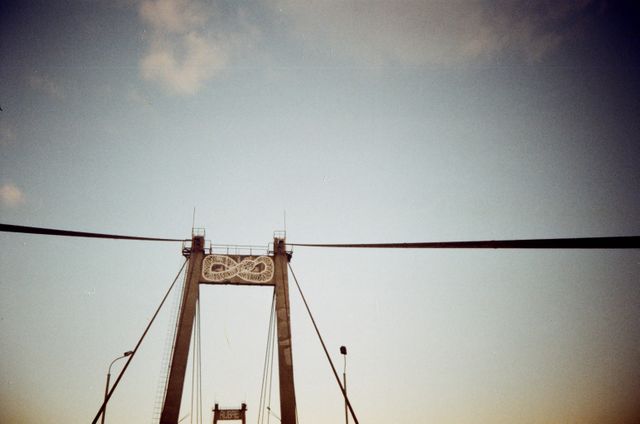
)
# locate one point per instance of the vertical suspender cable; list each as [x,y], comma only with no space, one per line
[265,368]
[199,366]
[193,373]
[273,342]
[270,363]
[333,368]
[196,372]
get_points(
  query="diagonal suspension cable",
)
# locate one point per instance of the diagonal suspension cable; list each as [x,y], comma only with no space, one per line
[333,368]
[106,399]
[625,242]
[68,233]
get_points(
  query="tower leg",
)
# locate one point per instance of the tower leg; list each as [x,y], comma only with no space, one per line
[190,293]
[285,358]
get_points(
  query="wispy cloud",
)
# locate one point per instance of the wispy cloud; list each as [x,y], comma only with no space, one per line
[434,32]
[183,53]
[46,85]
[136,97]
[190,42]
[174,16]
[11,195]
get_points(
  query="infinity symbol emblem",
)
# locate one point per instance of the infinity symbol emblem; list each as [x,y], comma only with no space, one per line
[219,268]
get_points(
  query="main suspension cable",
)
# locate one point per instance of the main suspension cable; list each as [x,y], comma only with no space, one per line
[108,396]
[624,242]
[333,368]
[68,233]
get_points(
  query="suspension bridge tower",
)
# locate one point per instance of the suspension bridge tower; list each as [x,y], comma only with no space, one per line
[205,267]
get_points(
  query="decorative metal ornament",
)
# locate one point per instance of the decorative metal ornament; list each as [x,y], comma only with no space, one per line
[219,268]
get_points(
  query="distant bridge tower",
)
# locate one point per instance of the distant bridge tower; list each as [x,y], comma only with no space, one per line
[270,270]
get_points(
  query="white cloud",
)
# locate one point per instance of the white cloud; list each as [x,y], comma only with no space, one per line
[183,54]
[44,84]
[11,195]
[185,65]
[434,31]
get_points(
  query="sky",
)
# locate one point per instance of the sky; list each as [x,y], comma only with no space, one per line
[360,121]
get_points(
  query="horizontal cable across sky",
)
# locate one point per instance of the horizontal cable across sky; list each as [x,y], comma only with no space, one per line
[621,242]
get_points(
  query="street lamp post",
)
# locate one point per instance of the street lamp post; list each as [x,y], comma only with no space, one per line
[106,389]
[343,351]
